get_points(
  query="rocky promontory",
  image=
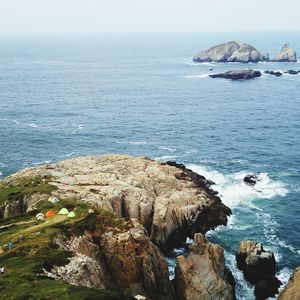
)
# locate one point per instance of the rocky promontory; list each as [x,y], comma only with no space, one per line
[292,290]
[99,227]
[233,51]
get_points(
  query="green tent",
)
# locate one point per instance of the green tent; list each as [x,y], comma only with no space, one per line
[63,211]
[71,214]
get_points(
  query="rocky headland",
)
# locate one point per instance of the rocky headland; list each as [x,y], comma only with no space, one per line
[127,211]
[236,51]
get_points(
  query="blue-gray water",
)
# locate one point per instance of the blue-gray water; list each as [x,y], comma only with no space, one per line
[63,96]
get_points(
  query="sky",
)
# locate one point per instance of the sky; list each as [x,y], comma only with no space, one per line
[105,16]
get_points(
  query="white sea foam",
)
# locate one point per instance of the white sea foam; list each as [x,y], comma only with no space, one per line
[234,191]
[133,142]
[165,158]
[197,76]
[32,124]
[168,149]
[41,162]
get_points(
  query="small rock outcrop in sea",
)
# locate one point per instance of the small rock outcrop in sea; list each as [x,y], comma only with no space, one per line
[274,73]
[251,179]
[286,54]
[292,72]
[292,290]
[238,74]
[233,51]
[259,267]
[202,274]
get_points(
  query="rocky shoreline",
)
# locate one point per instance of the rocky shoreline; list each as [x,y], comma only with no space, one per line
[127,213]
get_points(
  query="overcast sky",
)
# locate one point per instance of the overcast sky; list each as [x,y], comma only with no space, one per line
[97,16]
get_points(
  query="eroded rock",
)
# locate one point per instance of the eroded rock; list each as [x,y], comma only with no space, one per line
[202,274]
[286,54]
[292,290]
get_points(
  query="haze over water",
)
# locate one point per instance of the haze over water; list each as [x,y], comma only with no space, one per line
[66,96]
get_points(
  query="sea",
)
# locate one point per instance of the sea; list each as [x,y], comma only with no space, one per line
[64,96]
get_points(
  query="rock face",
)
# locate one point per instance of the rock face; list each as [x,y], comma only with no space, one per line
[292,290]
[286,54]
[170,201]
[238,74]
[233,51]
[259,267]
[202,274]
[125,261]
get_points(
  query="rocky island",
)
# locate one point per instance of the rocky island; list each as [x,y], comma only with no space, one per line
[236,51]
[233,51]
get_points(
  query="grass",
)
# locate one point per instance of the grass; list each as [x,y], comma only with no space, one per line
[26,260]
[24,187]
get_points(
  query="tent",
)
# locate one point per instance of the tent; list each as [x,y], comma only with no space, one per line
[53,200]
[71,214]
[40,216]
[50,213]
[91,211]
[63,211]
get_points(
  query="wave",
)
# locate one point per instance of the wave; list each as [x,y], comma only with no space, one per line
[197,76]
[234,191]
[165,158]
[167,149]
[133,142]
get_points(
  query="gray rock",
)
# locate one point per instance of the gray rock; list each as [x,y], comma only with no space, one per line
[286,54]
[238,74]
[231,52]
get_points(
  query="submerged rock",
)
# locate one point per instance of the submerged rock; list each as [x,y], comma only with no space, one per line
[233,51]
[259,267]
[292,72]
[202,274]
[286,54]
[238,74]
[274,73]
[292,290]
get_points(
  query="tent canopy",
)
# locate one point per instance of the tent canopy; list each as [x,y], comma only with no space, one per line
[63,211]
[71,214]
[50,213]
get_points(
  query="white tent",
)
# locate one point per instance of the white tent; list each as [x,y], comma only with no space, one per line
[40,216]
[53,200]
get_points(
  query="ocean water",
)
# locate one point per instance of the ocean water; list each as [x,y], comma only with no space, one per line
[67,96]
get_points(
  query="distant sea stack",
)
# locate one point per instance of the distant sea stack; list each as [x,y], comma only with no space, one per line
[233,51]
[286,54]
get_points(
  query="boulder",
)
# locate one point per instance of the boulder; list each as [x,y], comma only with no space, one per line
[292,290]
[259,267]
[238,74]
[286,54]
[202,274]
[274,73]
[233,51]
[251,179]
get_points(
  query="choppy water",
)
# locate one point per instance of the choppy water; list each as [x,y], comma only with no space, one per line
[70,96]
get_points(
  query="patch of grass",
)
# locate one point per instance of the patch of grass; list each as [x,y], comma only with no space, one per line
[17,191]
[36,252]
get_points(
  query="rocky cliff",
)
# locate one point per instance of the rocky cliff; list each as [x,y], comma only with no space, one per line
[233,51]
[202,274]
[172,203]
[292,290]
[125,211]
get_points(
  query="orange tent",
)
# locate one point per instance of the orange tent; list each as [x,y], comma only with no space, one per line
[50,213]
